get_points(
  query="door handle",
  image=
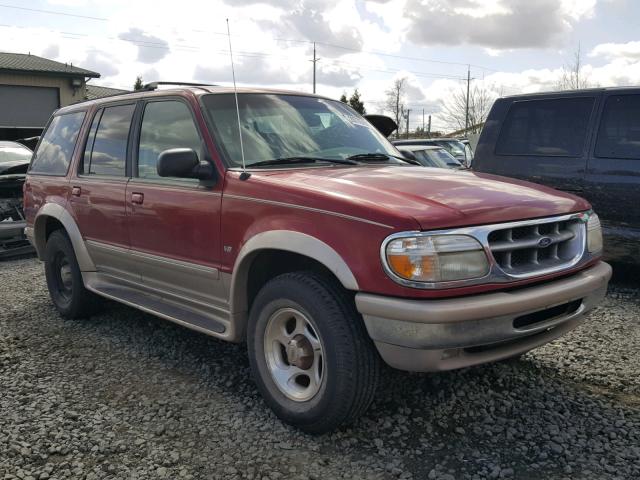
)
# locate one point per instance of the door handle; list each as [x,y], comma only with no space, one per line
[76,191]
[137,198]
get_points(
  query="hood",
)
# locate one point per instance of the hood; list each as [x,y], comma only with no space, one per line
[433,197]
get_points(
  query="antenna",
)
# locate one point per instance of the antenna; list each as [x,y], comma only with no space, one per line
[244,175]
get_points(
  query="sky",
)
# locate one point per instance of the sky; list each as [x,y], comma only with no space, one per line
[510,46]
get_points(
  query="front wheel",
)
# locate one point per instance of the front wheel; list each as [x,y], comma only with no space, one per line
[310,354]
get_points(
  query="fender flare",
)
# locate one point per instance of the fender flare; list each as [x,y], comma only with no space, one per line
[289,241]
[61,214]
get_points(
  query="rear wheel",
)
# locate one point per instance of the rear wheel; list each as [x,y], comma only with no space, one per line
[310,354]
[64,279]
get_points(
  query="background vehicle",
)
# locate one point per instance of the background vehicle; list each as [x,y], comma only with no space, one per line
[431,156]
[455,147]
[585,142]
[14,161]
[313,243]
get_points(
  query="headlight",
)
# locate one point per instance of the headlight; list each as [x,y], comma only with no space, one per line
[436,258]
[594,234]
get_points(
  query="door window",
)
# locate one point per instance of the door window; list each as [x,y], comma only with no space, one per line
[56,147]
[165,125]
[554,127]
[106,149]
[619,134]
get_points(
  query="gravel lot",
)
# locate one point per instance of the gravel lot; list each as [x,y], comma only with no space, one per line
[125,395]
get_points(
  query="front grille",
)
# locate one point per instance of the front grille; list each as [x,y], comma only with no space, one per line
[527,249]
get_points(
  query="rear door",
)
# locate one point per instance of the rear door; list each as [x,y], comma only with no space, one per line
[542,140]
[98,190]
[613,174]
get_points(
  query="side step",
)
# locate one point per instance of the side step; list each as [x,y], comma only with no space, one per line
[157,306]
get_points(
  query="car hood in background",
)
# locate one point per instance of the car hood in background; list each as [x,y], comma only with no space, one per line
[14,167]
[435,198]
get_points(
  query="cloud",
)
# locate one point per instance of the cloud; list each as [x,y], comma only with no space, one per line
[249,70]
[496,24]
[150,48]
[100,62]
[51,51]
[629,50]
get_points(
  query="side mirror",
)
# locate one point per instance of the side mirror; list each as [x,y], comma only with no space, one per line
[183,163]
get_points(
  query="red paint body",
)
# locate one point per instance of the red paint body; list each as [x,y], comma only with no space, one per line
[352,209]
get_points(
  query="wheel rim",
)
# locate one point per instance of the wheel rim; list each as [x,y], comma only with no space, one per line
[294,353]
[64,279]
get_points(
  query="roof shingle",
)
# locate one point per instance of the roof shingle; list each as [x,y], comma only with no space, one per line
[98,91]
[22,62]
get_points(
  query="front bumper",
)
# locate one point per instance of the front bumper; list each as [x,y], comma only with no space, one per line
[434,335]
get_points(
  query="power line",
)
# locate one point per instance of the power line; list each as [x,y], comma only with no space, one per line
[326,44]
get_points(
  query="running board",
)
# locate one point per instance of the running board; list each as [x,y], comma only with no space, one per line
[157,306]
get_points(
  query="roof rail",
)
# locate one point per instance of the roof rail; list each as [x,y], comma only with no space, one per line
[155,85]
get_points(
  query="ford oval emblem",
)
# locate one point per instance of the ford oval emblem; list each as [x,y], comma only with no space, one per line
[544,242]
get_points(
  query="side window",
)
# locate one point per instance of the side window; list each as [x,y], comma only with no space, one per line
[165,124]
[555,127]
[619,134]
[106,148]
[56,147]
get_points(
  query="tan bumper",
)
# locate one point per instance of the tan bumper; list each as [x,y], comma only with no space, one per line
[432,335]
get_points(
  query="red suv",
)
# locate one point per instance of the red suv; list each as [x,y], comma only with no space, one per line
[326,252]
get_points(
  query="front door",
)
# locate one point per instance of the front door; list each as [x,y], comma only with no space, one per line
[174,223]
[98,191]
[613,175]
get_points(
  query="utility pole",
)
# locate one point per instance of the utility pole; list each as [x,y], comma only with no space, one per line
[466,117]
[423,121]
[429,129]
[408,111]
[315,60]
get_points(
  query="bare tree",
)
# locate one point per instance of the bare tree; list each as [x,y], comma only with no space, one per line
[573,76]
[395,102]
[454,109]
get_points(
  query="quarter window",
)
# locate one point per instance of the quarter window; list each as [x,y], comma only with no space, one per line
[56,147]
[106,149]
[555,127]
[165,125]
[619,134]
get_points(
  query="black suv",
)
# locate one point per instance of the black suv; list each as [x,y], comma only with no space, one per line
[585,142]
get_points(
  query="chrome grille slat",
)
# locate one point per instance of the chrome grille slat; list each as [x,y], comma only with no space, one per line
[525,249]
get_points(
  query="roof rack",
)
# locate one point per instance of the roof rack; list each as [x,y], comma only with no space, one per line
[155,85]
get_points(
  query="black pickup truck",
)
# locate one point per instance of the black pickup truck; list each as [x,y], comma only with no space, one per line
[585,142]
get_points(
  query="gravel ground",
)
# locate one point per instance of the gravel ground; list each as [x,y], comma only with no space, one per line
[125,395]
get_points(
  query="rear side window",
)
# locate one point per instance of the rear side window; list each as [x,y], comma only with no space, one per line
[165,125]
[555,128]
[106,148]
[56,146]
[619,135]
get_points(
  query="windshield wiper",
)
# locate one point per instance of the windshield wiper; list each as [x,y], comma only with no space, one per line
[381,156]
[296,160]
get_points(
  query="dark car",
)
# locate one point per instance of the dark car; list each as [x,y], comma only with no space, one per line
[430,156]
[455,147]
[585,142]
[14,162]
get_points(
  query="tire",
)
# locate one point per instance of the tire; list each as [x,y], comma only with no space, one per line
[64,279]
[327,343]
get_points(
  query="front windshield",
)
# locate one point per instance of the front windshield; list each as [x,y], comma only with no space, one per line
[455,147]
[445,158]
[284,126]
[12,154]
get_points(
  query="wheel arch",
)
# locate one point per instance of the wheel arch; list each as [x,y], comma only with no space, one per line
[53,216]
[298,249]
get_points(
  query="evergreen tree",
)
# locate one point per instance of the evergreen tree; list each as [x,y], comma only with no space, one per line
[343,98]
[138,85]
[356,103]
